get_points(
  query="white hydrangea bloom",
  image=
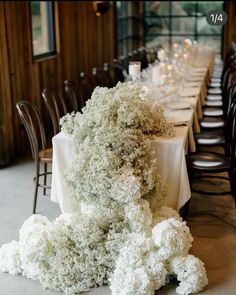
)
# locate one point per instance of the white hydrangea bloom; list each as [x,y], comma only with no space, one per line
[10,258]
[191,273]
[33,246]
[138,256]
[130,276]
[131,282]
[156,269]
[172,237]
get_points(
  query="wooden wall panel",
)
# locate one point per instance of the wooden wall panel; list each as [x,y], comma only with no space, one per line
[230,26]
[84,40]
[6,118]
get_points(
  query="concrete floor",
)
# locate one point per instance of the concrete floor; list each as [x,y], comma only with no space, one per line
[212,221]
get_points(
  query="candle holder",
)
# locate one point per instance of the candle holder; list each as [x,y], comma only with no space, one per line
[161,55]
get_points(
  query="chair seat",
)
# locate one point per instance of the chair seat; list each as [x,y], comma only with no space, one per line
[216,75]
[208,162]
[215,85]
[212,111]
[213,103]
[214,91]
[214,97]
[217,69]
[215,80]
[209,139]
[212,122]
[45,156]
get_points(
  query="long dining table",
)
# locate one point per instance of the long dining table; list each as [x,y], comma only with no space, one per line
[183,111]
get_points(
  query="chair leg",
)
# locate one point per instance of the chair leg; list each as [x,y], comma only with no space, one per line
[36,188]
[233,184]
[45,177]
[184,210]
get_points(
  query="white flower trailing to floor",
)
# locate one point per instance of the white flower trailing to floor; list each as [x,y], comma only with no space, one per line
[122,235]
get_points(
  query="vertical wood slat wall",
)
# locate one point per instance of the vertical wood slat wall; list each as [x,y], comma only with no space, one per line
[6,128]
[230,26]
[85,40]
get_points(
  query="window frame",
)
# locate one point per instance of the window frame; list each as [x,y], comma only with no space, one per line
[127,26]
[171,16]
[52,31]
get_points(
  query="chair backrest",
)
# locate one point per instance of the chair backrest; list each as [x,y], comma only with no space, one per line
[151,55]
[233,136]
[119,72]
[227,85]
[143,58]
[98,77]
[56,107]
[124,62]
[33,124]
[229,97]
[86,87]
[228,131]
[108,75]
[73,96]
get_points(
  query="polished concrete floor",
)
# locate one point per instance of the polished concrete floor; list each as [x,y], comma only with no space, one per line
[212,221]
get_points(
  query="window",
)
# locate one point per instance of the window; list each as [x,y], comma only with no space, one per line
[128,26]
[42,28]
[171,21]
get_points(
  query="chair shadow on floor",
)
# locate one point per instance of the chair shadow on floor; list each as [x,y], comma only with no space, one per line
[212,222]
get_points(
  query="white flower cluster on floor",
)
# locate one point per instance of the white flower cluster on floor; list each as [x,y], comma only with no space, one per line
[119,237]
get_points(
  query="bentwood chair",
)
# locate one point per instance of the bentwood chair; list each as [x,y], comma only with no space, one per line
[56,107]
[217,138]
[206,165]
[41,154]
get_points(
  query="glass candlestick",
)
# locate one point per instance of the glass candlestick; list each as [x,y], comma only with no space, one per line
[134,70]
[161,55]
